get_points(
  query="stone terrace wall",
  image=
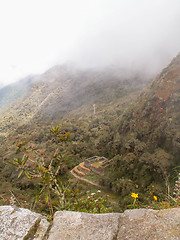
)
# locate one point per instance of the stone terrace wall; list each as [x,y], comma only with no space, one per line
[146,224]
[94,159]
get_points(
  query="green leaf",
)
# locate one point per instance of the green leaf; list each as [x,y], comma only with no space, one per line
[19,161]
[20,173]
[55,130]
[47,177]
[15,165]
[28,175]
[25,159]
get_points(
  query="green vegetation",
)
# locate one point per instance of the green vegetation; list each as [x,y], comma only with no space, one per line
[93,177]
[61,195]
[35,167]
[58,195]
[140,135]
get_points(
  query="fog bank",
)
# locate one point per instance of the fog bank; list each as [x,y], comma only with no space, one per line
[136,35]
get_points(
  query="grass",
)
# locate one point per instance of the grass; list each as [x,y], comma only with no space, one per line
[92,177]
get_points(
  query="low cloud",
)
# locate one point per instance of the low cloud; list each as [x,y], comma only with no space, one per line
[137,35]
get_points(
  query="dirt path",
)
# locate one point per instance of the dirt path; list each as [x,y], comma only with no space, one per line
[85,180]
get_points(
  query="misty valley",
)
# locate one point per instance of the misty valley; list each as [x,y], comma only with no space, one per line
[91,140]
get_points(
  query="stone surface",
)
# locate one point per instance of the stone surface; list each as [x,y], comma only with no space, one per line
[18,223]
[150,224]
[41,230]
[144,224]
[84,226]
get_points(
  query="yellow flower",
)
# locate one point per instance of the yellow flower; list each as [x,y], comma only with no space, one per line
[134,195]
[152,185]
[136,186]
[155,198]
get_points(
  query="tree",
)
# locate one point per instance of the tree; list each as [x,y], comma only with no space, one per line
[32,163]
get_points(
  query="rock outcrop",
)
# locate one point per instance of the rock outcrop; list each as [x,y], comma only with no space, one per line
[145,224]
[19,223]
[150,224]
[84,226]
[132,224]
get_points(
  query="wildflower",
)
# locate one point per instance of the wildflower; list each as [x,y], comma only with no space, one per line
[155,198]
[20,144]
[134,195]
[152,186]
[92,194]
[99,191]
[136,186]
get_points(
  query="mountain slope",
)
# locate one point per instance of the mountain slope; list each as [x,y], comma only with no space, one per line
[148,144]
[156,117]
[140,134]
[62,90]
[12,92]
[65,96]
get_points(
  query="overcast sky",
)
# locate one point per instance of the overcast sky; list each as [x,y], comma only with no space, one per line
[133,34]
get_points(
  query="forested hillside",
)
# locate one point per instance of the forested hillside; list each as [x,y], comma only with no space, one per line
[108,114]
[148,145]
[65,97]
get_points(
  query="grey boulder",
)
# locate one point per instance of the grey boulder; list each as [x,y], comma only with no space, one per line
[19,223]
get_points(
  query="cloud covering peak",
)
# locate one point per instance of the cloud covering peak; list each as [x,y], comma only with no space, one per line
[36,35]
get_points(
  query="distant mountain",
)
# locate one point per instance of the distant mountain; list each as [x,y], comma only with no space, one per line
[12,92]
[61,90]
